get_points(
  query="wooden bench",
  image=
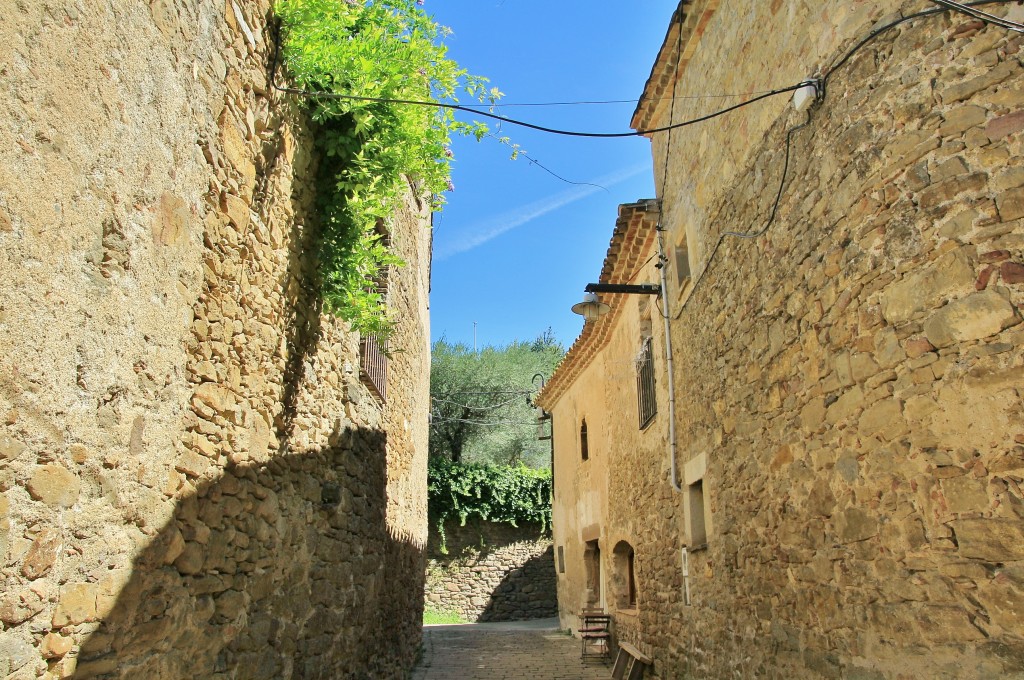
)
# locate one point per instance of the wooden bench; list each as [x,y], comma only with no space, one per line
[630,663]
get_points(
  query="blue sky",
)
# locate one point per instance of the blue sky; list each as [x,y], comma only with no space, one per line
[515,246]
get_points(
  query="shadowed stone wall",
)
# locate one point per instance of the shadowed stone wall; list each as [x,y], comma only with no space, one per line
[492,572]
[193,480]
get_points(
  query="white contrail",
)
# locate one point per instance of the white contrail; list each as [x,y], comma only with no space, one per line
[481,232]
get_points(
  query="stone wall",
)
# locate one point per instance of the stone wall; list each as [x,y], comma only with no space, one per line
[492,572]
[193,480]
[853,378]
[849,383]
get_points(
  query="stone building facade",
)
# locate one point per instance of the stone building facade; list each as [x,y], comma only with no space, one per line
[195,480]
[491,571]
[848,376]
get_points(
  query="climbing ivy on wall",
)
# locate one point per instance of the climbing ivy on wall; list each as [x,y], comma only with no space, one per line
[370,150]
[494,493]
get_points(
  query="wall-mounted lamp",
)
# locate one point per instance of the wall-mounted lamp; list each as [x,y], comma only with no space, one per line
[591,309]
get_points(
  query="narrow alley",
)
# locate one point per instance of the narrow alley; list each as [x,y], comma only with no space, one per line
[504,651]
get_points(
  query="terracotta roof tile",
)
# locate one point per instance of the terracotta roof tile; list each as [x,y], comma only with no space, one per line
[636,227]
[692,17]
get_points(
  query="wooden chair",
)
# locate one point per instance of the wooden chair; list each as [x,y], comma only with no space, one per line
[595,634]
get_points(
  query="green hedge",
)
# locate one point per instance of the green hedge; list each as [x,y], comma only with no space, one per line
[493,493]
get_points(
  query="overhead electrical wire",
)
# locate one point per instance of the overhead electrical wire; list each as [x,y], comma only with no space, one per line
[540,128]
[491,392]
[634,102]
[514,121]
[481,422]
[980,15]
[942,9]
[944,6]
[489,407]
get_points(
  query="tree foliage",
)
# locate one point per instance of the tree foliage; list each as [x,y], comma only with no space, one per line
[479,401]
[381,49]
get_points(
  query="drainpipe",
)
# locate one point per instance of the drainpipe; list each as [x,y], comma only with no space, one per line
[662,260]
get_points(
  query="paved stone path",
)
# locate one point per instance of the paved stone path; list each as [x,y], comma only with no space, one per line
[504,651]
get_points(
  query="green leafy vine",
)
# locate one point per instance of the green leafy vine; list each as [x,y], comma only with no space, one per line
[372,150]
[494,493]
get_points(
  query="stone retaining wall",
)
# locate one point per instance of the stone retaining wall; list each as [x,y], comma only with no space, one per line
[193,480]
[492,572]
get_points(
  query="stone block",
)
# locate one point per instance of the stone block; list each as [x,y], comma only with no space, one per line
[942,624]
[1002,126]
[15,654]
[10,448]
[55,645]
[19,606]
[216,397]
[42,554]
[1003,599]
[946,191]
[237,210]
[54,485]
[191,463]
[917,347]
[172,221]
[880,416]
[951,167]
[918,407]
[961,118]
[1012,272]
[854,524]
[77,604]
[927,287]
[965,494]
[191,559]
[888,352]
[863,366]
[989,539]
[978,315]
[1011,204]
[846,405]
[964,90]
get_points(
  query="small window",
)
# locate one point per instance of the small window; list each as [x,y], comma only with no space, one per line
[645,385]
[625,575]
[584,445]
[631,558]
[561,559]
[592,564]
[695,508]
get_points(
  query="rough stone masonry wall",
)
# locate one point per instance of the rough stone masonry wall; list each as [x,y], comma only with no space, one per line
[193,481]
[854,376]
[492,572]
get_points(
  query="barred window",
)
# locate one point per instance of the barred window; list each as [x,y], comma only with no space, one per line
[373,352]
[373,365]
[645,385]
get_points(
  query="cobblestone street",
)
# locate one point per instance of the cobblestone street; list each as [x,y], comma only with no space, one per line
[504,651]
